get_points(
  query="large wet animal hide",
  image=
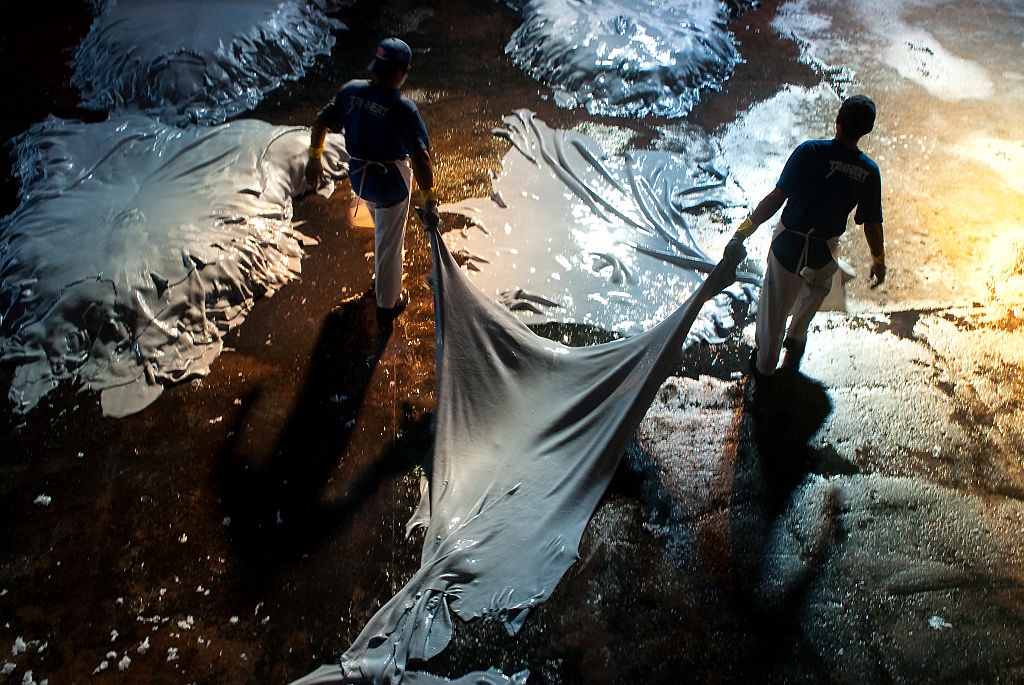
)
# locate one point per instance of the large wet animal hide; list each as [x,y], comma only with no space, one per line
[528,435]
[626,57]
[576,234]
[197,61]
[137,245]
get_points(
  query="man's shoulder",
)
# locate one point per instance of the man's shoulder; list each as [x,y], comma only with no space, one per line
[354,85]
[810,150]
[868,162]
[815,145]
[833,149]
[407,102]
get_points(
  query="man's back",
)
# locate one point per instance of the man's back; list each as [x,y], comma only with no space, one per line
[824,181]
[380,123]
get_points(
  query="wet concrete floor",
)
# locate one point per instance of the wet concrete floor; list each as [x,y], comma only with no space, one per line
[839,528]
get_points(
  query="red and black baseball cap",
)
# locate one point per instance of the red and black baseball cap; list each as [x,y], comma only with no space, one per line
[392,54]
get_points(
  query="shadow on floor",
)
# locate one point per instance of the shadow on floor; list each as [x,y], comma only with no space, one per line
[776,467]
[272,478]
[783,415]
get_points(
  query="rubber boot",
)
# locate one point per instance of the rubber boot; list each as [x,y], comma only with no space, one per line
[386,316]
[794,353]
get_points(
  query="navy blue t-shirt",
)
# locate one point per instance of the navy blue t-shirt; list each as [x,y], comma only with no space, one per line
[824,181]
[380,125]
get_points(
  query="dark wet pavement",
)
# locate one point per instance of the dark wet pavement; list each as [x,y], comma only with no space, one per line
[246,526]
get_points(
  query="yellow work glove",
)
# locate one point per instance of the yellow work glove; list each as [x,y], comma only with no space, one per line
[315,167]
[878,269]
[734,250]
[429,215]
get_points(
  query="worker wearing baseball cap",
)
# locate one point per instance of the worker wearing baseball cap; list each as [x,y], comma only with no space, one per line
[387,140]
[822,182]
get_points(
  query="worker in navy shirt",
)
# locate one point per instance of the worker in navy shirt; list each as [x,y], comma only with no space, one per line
[388,144]
[822,183]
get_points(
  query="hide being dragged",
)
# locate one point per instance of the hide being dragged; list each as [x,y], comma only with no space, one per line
[528,435]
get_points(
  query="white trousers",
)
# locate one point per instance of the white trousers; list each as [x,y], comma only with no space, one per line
[785,294]
[389,244]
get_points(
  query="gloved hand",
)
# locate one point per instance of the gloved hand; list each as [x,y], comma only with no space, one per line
[428,212]
[734,250]
[314,172]
[431,218]
[877,274]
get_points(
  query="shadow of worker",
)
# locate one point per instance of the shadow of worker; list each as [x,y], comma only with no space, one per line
[272,476]
[781,515]
[783,415]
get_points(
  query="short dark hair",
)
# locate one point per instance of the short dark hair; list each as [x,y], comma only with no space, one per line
[857,115]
